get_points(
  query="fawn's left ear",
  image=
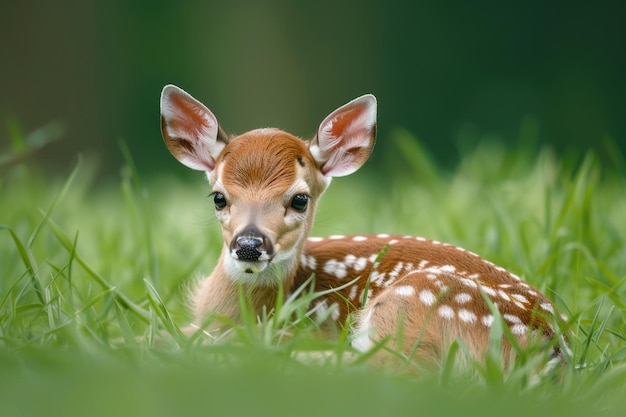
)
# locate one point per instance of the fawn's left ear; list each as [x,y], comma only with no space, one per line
[346,137]
[190,130]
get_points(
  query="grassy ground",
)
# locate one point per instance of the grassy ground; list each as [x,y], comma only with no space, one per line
[89,276]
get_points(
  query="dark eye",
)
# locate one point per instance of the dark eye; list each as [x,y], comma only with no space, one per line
[299,202]
[219,200]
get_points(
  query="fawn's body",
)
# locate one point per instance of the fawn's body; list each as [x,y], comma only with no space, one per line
[421,294]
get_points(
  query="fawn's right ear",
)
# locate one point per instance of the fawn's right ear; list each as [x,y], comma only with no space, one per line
[346,137]
[190,130]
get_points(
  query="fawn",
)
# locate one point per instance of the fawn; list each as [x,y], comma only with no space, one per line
[266,184]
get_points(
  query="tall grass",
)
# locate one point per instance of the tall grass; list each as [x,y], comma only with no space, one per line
[92,277]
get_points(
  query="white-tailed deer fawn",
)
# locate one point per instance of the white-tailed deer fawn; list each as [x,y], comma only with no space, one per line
[266,186]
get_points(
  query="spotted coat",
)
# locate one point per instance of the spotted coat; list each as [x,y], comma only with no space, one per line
[418,275]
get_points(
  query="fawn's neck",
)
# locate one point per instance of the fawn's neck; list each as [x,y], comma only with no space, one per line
[221,295]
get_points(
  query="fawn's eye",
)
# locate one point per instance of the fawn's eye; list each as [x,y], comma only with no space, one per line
[300,202]
[219,200]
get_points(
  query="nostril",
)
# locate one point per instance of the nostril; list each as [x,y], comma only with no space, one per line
[247,248]
[248,254]
[249,242]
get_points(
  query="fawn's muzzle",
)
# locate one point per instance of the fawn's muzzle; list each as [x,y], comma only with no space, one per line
[251,245]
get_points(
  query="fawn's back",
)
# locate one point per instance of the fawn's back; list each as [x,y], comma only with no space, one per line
[431,293]
[417,295]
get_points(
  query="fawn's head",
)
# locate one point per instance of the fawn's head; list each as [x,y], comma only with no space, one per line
[266,182]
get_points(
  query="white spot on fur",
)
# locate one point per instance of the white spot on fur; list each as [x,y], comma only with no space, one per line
[469,283]
[467,316]
[427,297]
[487,320]
[334,311]
[315,239]
[447,269]
[359,238]
[504,295]
[321,309]
[336,268]
[353,291]
[369,295]
[394,273]
[378,278]
[512,318]
[519,305]
[547,307]
[446,312]
[405,291]
[518,329]
[489,291]
[463,298]
[336,237]
[360,264]
[520,298]
[308,261]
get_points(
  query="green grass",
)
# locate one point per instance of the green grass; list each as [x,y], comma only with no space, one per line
[90,276]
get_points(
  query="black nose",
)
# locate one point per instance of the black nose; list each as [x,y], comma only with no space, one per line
[250,244]
[248,248]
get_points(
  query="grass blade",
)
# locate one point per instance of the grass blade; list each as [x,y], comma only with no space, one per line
[29,261]
[101,281]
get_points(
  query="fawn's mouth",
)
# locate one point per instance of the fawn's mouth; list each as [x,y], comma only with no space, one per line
[248,262]
[253,267]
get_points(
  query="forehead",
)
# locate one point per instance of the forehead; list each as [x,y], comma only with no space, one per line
[267,159]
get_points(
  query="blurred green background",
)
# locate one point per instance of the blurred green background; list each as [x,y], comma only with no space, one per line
[451,72]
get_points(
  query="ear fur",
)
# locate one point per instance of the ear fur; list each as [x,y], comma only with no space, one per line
[346,137]
[190,130]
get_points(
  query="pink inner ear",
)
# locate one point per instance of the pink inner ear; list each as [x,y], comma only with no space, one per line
[346,137]
[342,121]
[185,120]
[189,129]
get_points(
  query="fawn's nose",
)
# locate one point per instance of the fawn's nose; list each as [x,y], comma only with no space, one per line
[251,244]
[248,248]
